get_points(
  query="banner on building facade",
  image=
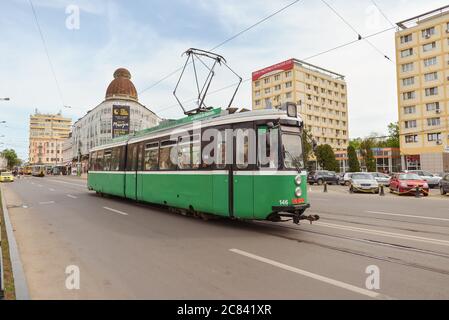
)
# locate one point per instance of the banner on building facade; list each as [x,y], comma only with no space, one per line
[120,121]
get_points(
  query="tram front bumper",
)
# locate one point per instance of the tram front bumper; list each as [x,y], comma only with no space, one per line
[296,213]
[296,209]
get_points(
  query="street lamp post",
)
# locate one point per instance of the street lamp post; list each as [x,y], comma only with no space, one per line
[5,99]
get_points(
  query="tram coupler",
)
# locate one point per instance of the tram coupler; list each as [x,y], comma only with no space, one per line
[311,219]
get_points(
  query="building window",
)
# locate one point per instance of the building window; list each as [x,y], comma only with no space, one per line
[409,95]
[410,124]
[431,76]
[277,88]
[288,84]
[407,67]
[411,139]
[257,84]
[430,62]
[257,93]
[427,33]
[267,90]
[408,81]
[434,137]
[429,46]
[407,53]
[406,39]
[288,74]
[431,91]
[433,106]
[266,81]
[410,110]
[257,102]
[277,77]
[288,95]
[432,122]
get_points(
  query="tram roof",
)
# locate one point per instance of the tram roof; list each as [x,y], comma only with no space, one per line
[207,119]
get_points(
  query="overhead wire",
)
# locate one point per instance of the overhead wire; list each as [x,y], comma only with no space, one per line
[225,42]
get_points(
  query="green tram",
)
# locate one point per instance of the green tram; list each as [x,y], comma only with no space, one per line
[139,167]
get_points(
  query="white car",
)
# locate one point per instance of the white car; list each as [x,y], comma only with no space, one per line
[382,178]
[363,182]
[346,181]
[432,180]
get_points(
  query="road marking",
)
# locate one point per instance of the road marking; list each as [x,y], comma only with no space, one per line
[314,276]
[52,190]
[384,233]
[316,199]
[116,211]
[47,202]
[73,197]
[69,183]
[406,215]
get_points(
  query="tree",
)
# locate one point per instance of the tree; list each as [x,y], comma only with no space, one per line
[307,145]
[355,143]
[11,157]
[326,158]
[394,134]
[366,149]
[353,161]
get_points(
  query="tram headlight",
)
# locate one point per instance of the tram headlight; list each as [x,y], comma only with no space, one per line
[298,180]
[298,192]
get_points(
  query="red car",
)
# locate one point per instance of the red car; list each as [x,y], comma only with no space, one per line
[406,183]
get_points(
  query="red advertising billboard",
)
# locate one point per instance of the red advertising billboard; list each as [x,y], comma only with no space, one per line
[283,66]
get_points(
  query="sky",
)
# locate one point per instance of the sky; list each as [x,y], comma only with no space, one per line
[148,38]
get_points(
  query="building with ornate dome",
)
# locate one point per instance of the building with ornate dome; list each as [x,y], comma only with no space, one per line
[119,114]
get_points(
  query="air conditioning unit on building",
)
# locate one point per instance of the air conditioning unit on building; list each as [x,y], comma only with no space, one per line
[427,36]
[439,142]
[438,111]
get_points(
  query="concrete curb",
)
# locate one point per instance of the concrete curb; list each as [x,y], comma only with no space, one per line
[20,282]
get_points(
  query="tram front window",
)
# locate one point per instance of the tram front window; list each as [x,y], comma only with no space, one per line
[293,154]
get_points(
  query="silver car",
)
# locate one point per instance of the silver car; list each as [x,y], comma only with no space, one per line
[382,179]
[432,180]
[363,182]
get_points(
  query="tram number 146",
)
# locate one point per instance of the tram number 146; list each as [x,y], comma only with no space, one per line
[284,203]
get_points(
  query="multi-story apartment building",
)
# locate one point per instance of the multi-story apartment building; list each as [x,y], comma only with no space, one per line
[320,93]
[422,55]
[47,134]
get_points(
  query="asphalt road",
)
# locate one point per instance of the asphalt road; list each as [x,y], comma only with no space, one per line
[126,250]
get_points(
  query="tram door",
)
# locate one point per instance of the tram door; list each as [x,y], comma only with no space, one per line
[242,173]
[131,172]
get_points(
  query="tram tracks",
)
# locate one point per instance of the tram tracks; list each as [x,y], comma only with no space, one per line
[346,250]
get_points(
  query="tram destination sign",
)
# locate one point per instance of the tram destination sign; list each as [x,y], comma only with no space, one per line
[120,121]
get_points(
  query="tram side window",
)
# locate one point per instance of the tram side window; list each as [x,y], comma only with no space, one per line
[268,147]
[189,152]
[122,158]
[115,159]
[166,162]
[151,156]
[220,158]
[140,156]
[92,161]
[107,160]
[99,162]
[131,159]
[242,148]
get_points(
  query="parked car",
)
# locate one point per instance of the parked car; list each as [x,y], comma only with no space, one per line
[6,177]
[407,183]
[444,185]
[346,181]
[363,182]
[382,178]
[320,177]
[432,179]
